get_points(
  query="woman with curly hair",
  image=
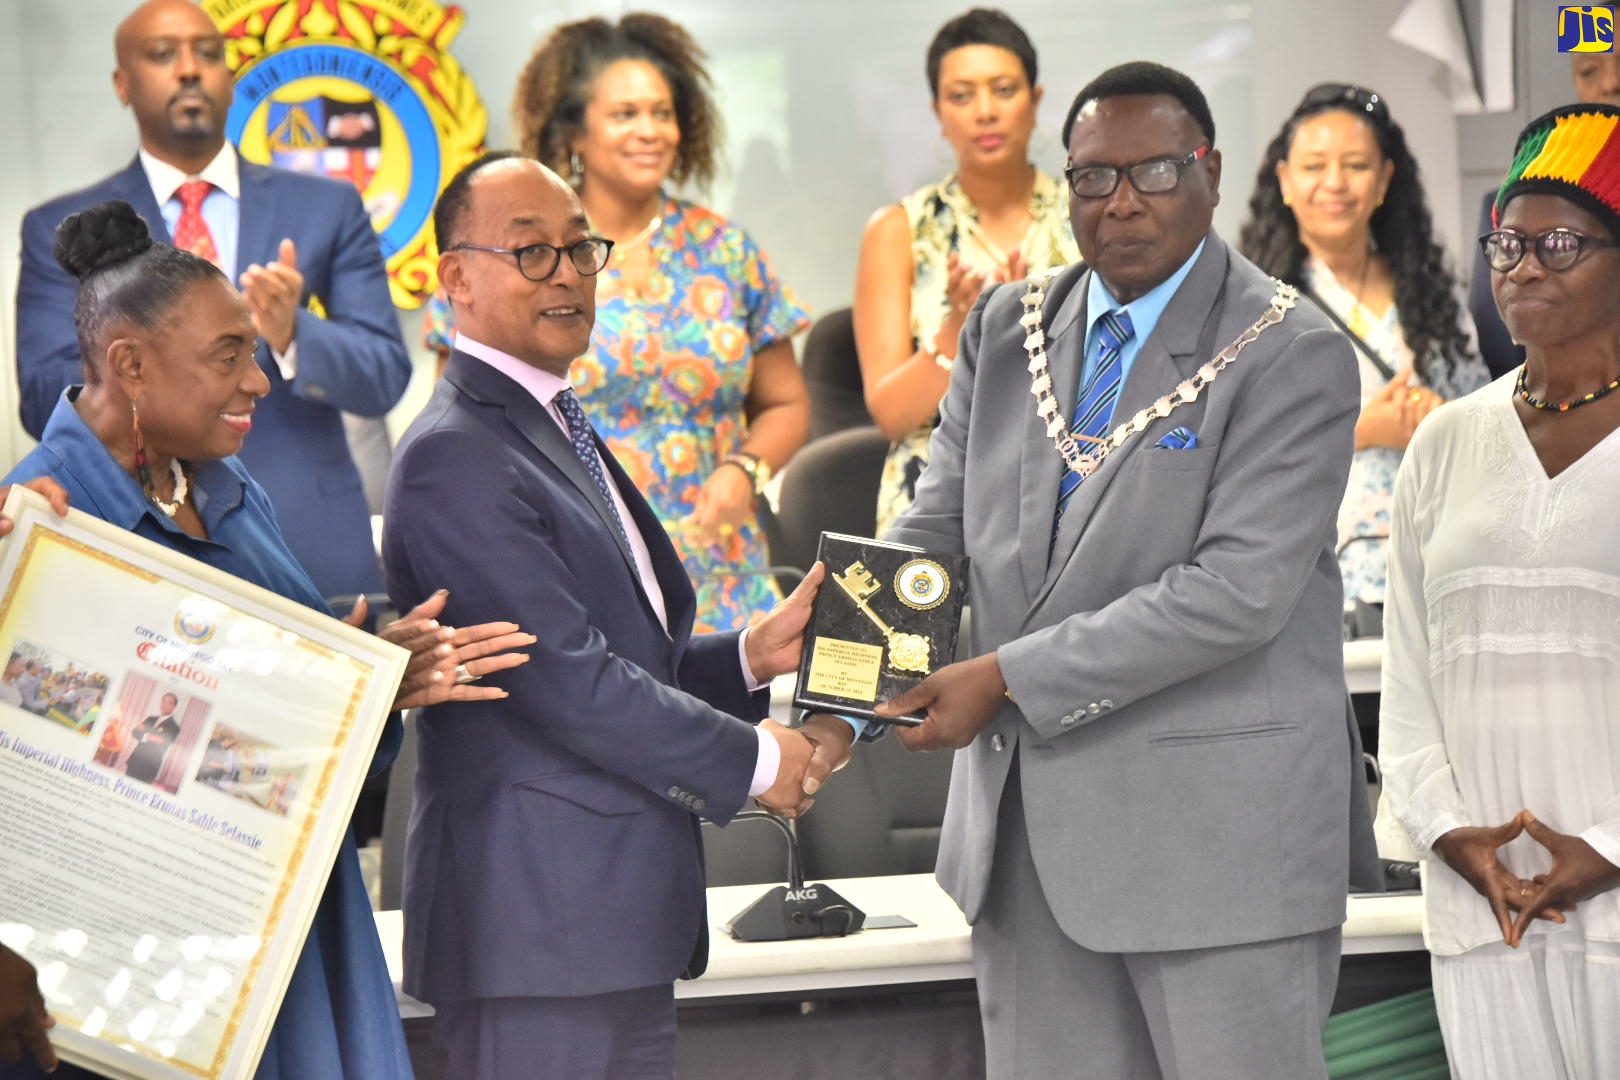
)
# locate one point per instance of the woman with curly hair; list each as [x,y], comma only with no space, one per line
[1338,209]
[691,377]
[924,259]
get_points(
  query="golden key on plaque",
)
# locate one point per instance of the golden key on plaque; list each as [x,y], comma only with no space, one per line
[907,652]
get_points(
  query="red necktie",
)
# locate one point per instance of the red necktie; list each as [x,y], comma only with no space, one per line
[191,231]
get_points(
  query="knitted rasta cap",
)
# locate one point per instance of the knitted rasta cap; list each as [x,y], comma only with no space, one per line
[1573,151]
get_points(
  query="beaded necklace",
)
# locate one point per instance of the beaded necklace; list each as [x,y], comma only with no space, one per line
[1523,391]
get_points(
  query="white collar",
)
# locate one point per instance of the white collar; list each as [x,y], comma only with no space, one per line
[222,172]
[543,386]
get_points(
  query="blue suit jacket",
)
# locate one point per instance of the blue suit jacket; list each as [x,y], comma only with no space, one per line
[554,846]
[353,361]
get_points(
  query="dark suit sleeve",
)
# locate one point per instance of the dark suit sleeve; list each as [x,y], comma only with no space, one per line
[1496,346]
[47,344]
[450,487]
[354,358]
[710,670]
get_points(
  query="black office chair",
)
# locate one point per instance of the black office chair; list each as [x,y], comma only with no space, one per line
[831,485]
[880,814]
[832,372]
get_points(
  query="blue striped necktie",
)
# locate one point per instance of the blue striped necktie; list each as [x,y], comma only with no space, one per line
[581,435]
[1096,405]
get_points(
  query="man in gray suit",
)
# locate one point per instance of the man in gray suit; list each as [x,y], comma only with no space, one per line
[1157,806]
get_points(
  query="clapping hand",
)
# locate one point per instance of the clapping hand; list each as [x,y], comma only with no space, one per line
[1578,873]
[446,662]
[23,1019]
[272,293]
[959,699]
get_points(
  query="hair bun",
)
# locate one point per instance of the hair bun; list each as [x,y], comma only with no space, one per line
[101,236]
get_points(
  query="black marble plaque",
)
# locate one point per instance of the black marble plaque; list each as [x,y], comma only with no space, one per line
[886,617]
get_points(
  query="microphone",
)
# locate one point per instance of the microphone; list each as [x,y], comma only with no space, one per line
[794,910]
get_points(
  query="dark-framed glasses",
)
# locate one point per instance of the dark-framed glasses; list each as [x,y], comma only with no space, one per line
[1557,249]
[1149,177]
[539,261]
[1347,96]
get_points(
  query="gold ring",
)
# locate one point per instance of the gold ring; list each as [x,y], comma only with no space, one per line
[1524,891]
[464,676]
[1414,395]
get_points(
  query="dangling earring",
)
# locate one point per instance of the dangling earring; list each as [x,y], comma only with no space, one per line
[576,168]
[143,472]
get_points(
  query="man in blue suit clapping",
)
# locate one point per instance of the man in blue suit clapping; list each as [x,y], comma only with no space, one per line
[287,239]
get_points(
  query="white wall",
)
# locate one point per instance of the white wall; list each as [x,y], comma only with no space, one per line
[826,104]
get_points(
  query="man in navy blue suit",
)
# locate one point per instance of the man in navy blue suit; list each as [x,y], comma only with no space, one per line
[554,870]
[287,238]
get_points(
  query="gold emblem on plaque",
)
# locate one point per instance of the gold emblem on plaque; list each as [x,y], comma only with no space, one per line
[922,583]
[907,652]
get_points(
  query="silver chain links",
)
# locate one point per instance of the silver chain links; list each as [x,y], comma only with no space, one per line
[1186,392]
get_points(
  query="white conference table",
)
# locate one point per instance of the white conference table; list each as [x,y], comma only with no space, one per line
[937,949]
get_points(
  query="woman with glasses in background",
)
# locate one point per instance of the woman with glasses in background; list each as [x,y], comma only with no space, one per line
[925,259]
[1501,681]
[691,378]
[1338,210]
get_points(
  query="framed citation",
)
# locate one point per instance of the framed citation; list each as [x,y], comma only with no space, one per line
[180,752]
[885,618]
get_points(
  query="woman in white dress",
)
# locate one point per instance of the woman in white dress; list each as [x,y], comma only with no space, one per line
[1501,690]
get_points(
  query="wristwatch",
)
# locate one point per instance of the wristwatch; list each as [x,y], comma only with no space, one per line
[757,468]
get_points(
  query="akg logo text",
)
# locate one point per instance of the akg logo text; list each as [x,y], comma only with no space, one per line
[1586,29]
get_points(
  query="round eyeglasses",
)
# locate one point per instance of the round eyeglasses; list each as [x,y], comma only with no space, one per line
[537,262]
[1557,249]
[1149,177]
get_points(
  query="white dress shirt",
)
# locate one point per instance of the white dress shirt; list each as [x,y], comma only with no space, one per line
[544,387]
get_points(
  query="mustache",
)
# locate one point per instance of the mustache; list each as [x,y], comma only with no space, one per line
[192,92]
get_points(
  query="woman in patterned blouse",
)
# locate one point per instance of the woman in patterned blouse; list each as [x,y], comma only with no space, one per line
[691,378]
[925,259]
[1338,209]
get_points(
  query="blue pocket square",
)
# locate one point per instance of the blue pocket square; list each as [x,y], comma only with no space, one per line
[1179,439]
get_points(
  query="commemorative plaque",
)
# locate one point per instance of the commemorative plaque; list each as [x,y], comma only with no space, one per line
[885,619]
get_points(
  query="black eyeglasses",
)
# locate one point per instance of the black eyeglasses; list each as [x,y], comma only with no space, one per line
[1149,177]
[539,261]
[1351,98]
[1557,249]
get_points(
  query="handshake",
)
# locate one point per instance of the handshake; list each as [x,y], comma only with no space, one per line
[810,753]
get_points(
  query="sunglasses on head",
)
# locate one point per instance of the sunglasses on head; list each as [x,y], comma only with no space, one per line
[1356,99]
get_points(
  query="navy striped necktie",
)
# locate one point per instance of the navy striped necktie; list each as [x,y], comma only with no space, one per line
[1095,407]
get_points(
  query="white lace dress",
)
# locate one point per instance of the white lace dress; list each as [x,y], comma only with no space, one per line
[1501,685]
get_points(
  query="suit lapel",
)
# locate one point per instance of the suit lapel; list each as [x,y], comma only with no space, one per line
[1169,355]
[1041,466]
[133,187]
[483,383]
[256,217]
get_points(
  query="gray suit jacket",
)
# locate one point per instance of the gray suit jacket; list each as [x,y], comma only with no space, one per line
[1191,772]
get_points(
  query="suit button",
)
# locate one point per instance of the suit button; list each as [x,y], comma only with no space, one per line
[675,793]
[699,804]
[1068,719]
[998,742]
[1106,704]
